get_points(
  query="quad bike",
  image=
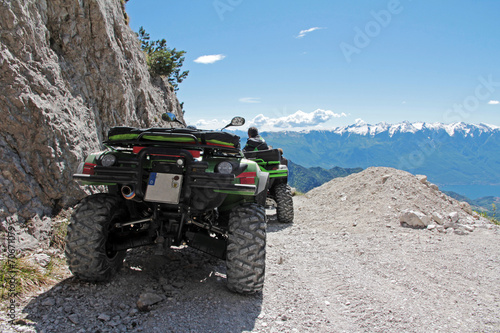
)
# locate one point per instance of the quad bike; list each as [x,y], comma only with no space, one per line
[171,187]
[279,193]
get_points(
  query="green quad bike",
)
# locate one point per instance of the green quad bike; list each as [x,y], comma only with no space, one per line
[280,193]
[171,187]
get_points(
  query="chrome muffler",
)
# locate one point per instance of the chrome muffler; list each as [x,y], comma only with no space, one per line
[128,192]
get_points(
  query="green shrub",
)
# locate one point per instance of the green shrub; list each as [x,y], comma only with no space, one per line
[162,60]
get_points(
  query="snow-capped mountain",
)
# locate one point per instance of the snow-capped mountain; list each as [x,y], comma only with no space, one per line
[457,153]
[460,128]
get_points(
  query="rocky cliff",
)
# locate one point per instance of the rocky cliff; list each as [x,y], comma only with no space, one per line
[69,70]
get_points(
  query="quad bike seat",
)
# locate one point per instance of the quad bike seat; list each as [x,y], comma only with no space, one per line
[269,155]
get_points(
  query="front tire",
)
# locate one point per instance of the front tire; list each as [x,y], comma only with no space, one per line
[284,202]
[246,249]
[87,242]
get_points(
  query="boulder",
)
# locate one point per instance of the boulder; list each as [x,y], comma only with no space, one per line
[414,219]
[438,218]
[422,178]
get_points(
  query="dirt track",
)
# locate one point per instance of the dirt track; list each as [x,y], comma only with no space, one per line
[325,273]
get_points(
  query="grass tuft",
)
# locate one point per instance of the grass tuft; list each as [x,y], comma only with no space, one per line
[59,231]
[22,275]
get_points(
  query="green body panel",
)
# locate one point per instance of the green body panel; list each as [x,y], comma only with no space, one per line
[168,139]
[123,137]
[264,166]
[278,173]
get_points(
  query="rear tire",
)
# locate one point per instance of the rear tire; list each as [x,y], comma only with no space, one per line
[284,202]
[246,249]
[87,242]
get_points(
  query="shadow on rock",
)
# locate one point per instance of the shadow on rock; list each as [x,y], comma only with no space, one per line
[182,290]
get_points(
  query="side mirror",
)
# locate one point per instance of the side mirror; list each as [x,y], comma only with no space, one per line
[169,117]
[236,121]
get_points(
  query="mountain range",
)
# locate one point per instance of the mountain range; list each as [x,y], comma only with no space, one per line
[449,154]
[305,179]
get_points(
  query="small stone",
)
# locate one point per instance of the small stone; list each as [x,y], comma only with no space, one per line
[104,317]
[451,225]
[431,227]
[469,228]
[49,302]
[74,318]
[453,216]
[148,299]
[460,231]
[422,178]
[438,218]
[434,187]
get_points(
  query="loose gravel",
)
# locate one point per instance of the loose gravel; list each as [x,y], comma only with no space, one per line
[346,264]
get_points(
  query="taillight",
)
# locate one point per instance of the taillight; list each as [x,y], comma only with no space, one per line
[88,168]
[137,149]
[247,177]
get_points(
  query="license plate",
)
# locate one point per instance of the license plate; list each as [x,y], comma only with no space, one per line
[164,188]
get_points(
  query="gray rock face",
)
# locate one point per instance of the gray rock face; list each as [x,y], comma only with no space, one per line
[69,70]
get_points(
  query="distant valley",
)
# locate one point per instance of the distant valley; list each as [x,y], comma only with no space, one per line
[305,179]
[454,154]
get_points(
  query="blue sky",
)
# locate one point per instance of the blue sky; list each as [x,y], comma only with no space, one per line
[292,65]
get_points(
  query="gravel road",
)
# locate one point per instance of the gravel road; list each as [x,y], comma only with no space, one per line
[325,273]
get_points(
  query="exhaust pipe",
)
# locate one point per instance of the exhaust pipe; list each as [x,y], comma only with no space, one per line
[128,192]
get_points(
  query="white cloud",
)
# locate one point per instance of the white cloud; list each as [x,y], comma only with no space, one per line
[494,102]
[213,124]
[209,59]
[302,33]
[298,120]
[250,100]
